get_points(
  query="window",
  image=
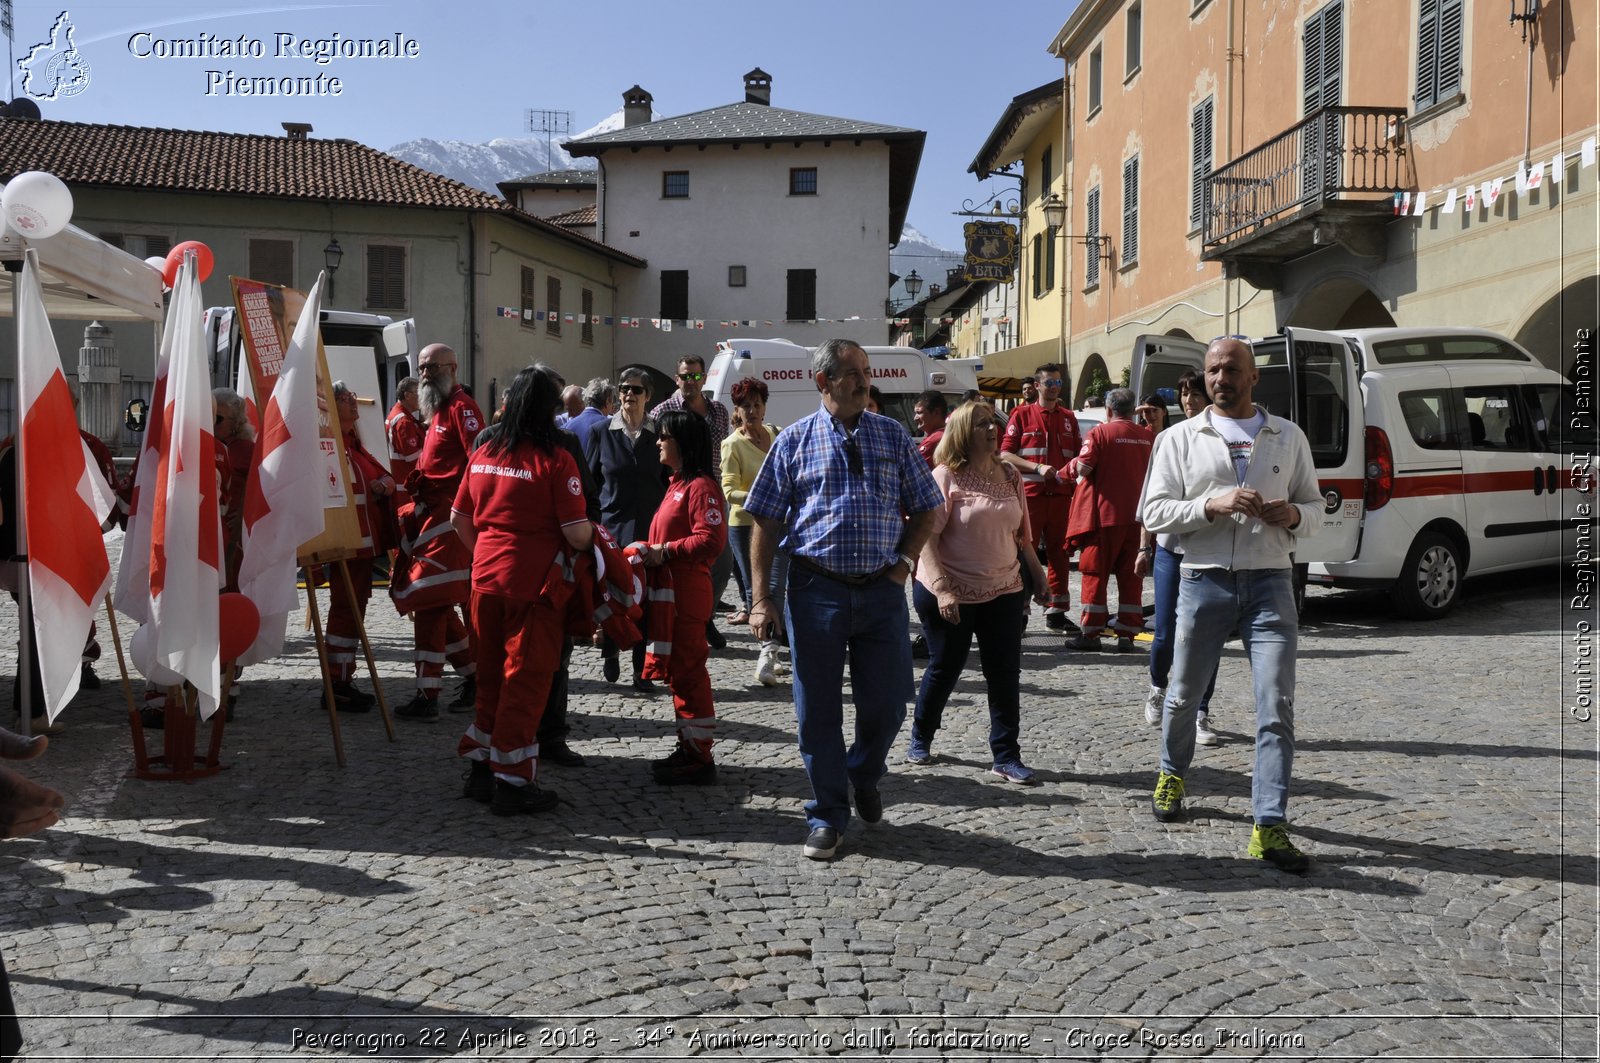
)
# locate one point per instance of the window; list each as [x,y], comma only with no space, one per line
[1428,418]
[736,276]
[1438,51]
[386,277]
[272,261]
[675,294]
[802,180]
[1095,63]
[552,306]
[1130,211]
[1495,419]
[675,184]
[527,297]
[1200,154]
[1091,247]
[1135,39]
[140,245]
[1558,423]
[586,300]
[802,304]
[1324,49]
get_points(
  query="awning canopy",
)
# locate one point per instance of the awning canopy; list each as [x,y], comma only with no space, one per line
[86,279]
[1019,362]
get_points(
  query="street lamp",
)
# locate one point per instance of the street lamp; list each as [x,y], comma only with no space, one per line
[913,285]
[332,255]
[1055,211]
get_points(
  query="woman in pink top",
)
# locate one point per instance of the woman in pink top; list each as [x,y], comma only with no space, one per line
[969,579]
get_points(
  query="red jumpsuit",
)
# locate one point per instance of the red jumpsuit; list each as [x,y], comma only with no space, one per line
[405,434]
[377,536]
[1105,522]
[439,568]
[1047,437]
[518,503]
[692,524]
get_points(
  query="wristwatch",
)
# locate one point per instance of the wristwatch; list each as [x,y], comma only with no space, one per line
[911,563]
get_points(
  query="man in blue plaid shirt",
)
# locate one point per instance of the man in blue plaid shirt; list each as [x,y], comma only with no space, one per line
[842,481]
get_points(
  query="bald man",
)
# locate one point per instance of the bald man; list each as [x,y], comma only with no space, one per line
[1239,485]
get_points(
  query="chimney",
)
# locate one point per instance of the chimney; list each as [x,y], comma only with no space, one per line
[758,87]
[297,130]
[636,107]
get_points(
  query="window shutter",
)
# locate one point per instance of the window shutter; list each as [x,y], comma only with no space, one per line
[1038,263]
[802,301]
[1450,18]
[552,305]
[1427,53]
[1091,269]
[586,301]
[1050,258]
[272,261]
[1130,210]
[1200,135]
[386,277]
[675,294]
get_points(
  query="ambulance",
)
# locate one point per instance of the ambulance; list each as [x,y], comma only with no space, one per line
[1440,452]
[900,373]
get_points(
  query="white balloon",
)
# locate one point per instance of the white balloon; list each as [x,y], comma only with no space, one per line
[142,648]
[36,204]
[157,263]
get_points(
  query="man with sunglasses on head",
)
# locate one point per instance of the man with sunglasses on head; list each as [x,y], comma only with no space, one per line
[834,487]
[691,396]
[1041,439]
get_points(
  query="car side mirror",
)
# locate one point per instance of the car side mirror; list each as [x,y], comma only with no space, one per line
[134,415]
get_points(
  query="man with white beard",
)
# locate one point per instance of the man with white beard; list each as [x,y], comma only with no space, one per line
[436,575]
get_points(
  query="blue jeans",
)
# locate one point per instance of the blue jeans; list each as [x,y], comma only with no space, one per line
[999,624]
[739,542]
[828,622]
[1211,602]
[1165,575]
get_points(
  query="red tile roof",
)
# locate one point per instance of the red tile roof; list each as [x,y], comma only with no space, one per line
[243,164]
[586,215]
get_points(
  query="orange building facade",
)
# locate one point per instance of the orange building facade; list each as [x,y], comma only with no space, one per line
[1236,166]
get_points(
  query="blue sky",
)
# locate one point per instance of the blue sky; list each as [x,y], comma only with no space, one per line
[945,67]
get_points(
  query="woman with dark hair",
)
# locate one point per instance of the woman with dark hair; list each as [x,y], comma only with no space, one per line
[874,399]
[687,535]
[743,453]
[1152,412]
[626,469]
[520,502]
[1160,556]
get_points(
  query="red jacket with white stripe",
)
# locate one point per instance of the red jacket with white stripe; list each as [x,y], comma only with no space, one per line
[1044,437]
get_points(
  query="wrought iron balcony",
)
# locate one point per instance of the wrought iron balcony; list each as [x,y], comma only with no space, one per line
[1323,180]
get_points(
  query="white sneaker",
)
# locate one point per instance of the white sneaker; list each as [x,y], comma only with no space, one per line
[767,666]
[1152,705]
[1203,732]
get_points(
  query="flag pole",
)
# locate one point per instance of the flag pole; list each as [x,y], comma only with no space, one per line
[24,705]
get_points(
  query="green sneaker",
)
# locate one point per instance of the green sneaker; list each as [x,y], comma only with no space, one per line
[1272,844]
[1167,802]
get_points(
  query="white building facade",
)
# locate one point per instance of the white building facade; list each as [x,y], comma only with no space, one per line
[750,213]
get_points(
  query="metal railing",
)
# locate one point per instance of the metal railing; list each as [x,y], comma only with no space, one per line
[1335,151]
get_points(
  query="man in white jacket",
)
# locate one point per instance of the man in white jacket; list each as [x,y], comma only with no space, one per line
[1239,485]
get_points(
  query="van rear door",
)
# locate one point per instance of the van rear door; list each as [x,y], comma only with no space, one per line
[1310,377]
[1158,362]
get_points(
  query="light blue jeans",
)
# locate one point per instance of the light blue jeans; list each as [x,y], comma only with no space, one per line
[829,624]
[1260,603]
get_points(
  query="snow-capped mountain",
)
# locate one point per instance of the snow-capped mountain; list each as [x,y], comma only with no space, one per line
[484,166]
[917,252]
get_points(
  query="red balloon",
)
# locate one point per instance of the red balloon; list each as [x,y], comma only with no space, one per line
[238,623]
[175,259]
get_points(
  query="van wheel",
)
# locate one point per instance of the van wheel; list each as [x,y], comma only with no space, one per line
[1430,581]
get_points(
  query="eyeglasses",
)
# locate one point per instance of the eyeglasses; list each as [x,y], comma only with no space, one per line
[1053,383]
[1235,336]
[630,389]
[852,454]
[691,377]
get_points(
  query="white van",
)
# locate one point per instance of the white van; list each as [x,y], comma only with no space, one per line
[1452,455]
[901,373]
[393,344]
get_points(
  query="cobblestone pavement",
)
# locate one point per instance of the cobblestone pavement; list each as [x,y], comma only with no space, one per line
[290,909]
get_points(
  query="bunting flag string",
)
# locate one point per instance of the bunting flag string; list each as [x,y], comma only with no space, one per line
[665,324]
[1525,179]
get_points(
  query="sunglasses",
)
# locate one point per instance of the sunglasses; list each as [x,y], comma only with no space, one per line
[1053,383]
[630,389]
[852,453]
[692,377]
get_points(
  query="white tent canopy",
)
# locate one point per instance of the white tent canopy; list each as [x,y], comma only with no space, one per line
[85,278]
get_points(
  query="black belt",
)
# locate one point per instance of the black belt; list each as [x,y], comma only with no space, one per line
[839,577]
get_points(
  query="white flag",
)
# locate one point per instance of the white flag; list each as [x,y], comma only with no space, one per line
[1449,202]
